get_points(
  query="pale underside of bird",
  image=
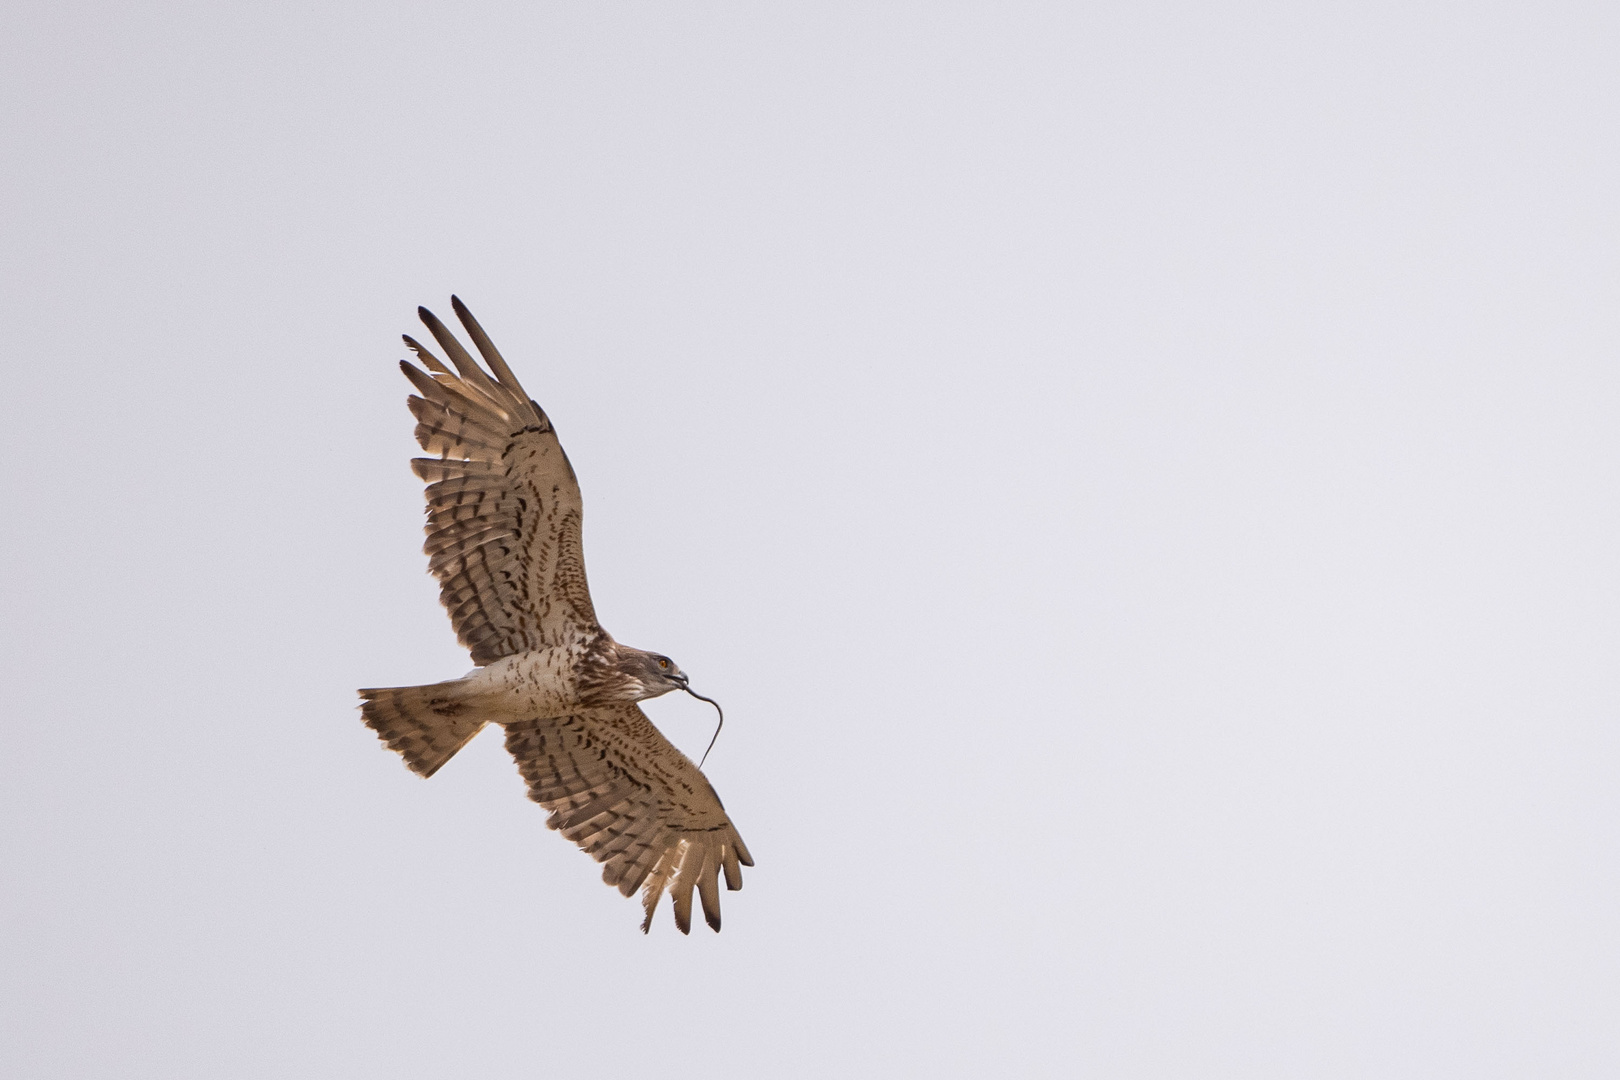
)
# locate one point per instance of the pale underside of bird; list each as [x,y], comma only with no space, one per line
[504,516]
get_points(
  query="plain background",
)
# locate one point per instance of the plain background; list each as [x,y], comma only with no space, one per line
[1141,478]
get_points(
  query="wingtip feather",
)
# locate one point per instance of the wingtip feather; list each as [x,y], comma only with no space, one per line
[504,375]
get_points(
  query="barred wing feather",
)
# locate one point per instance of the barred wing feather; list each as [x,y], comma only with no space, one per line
[617,788]
[504,509]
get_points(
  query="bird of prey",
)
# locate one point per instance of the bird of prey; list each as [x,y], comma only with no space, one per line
[503,538]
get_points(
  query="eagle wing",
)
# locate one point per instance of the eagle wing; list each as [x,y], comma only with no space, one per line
[617,788]
[503,505]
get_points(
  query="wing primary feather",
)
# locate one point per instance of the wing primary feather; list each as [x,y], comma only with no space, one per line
[728,859]
[459,356]
[653,891]
[680,890]
[708,887]
[449,383]
[492,356]
[637,869]
[433,362]
[452,392]
[423,382]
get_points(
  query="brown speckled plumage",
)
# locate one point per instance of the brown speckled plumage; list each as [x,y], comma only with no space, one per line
[504,541]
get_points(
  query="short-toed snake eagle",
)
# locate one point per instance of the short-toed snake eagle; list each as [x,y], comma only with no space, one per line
[503,538]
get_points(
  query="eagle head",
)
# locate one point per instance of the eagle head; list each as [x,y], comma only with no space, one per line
[625,674]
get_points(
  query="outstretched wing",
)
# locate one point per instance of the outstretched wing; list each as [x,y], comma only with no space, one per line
[617,788]
[503,505]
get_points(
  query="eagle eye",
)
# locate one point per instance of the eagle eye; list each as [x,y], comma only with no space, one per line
[663,663]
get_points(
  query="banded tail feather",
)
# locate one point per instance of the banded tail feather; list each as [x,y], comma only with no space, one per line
[425,724]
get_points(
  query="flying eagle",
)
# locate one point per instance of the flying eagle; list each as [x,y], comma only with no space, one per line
[503,538]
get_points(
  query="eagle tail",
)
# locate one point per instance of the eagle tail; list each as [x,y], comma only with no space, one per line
[426,724]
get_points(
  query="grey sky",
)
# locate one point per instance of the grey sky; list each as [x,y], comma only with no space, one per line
[1141,479]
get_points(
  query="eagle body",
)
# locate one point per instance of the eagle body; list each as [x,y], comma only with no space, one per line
[537,685]
[504,540]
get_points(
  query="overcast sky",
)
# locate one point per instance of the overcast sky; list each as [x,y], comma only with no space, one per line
[1140,477]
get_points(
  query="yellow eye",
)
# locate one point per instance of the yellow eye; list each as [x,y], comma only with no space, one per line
[664,664]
